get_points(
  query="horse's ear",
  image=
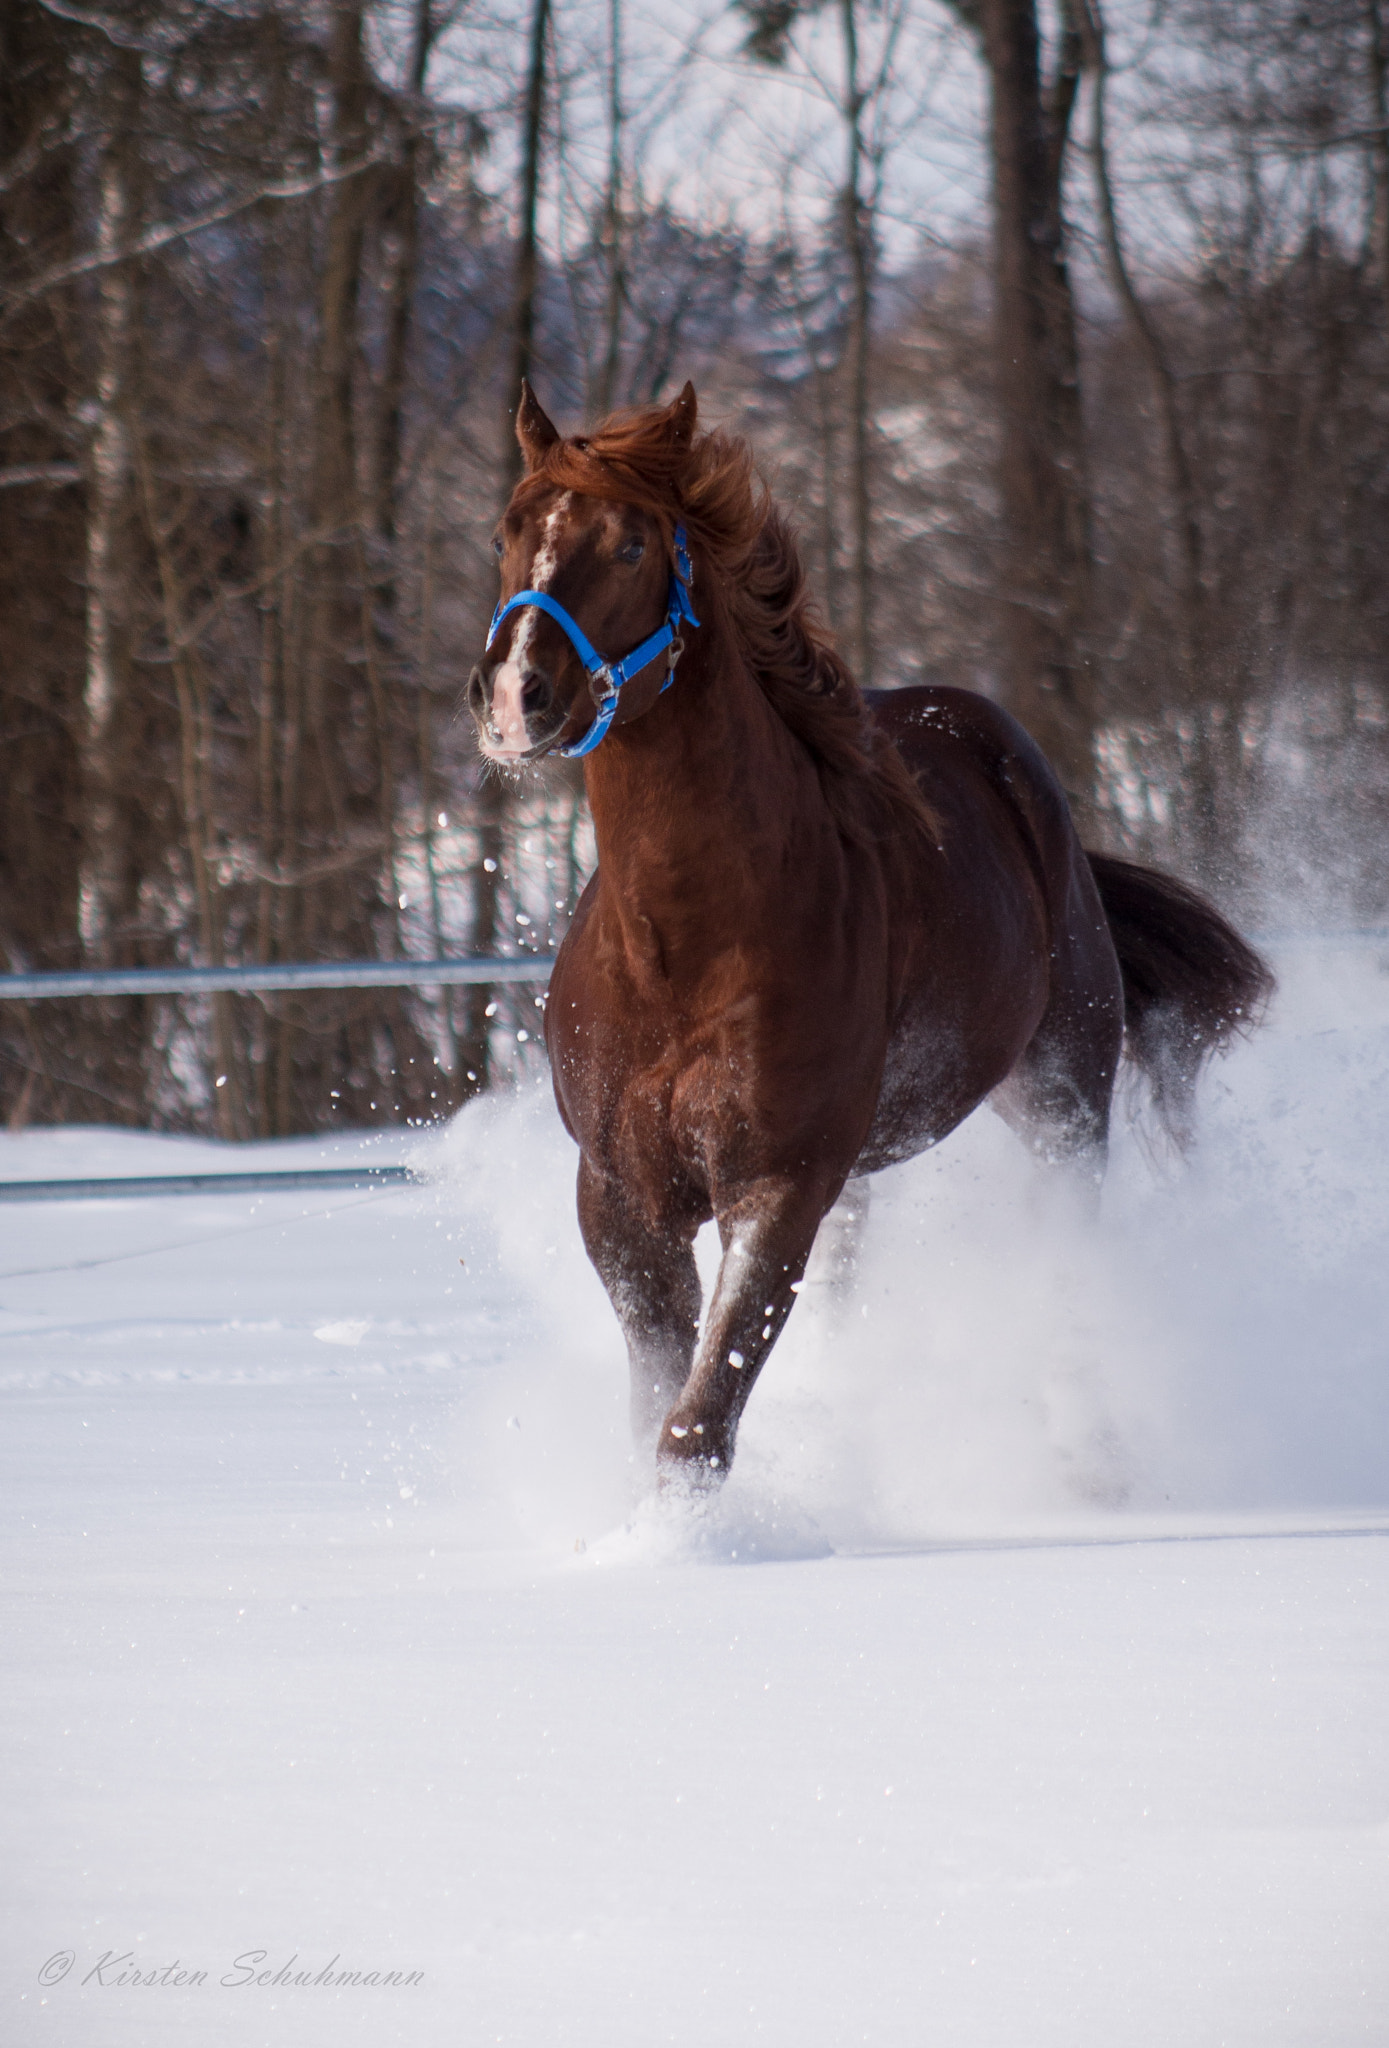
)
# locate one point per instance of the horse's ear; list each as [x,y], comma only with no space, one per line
[681,415]
[535,430]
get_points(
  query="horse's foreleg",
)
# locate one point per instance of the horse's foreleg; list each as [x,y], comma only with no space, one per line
[767,1237]
[654,1289]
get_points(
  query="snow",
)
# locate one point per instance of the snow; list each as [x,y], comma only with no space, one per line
[1025,1686]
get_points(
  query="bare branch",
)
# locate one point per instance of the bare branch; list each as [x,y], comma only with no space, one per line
[156,238]
[85,17]
[19,473]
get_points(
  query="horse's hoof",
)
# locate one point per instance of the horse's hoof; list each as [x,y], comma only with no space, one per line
[690,1459]
[688,1484]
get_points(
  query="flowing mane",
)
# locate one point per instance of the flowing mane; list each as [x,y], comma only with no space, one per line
[746,552]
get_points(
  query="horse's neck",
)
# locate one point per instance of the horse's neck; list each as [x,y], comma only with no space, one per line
[681,797]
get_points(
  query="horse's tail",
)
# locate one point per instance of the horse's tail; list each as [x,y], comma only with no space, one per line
[1191,983]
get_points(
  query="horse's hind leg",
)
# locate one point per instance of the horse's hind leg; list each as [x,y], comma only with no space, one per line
[1059,1107]
[1058,1099]
[834,1264]
[653,1285]
[1058,1096]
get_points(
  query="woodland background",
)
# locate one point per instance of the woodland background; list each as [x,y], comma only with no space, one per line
[1065,335]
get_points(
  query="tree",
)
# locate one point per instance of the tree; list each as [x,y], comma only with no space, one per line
[42,545]
[769,38]
[108,868]
[1046,572]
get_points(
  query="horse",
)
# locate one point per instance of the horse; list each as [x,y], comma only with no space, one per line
[823,926]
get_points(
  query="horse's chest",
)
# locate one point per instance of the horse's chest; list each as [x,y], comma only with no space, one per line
[747,1058]
[690,1099]
[658,1097]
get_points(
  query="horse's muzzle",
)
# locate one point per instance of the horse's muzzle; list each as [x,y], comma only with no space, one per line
[510,706]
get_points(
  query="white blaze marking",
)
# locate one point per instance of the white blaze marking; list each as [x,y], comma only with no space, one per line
[508,713]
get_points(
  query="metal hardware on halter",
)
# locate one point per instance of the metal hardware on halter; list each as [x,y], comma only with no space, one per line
[605,679]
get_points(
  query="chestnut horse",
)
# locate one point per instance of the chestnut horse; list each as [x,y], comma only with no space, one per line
[820,931]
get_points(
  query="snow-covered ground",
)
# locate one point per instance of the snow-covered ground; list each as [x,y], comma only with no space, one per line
[1028,1685]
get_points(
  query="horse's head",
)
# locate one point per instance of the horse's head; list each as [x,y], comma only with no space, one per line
[605,564]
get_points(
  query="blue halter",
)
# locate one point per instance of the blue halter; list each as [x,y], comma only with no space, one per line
[606,678]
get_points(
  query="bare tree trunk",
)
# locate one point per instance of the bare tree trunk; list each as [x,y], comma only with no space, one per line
[826,397]
[1377,53]
[489,812]
[403,202]
[527,258]
[103,889]
[425,761]
[827,449]
[272,760]
[289,919]
[43,541]
[858,232]
[405,214]
[272,606]
[1042,472]
[1181,483]
[195,794]
[335,492]
[342,761]
[339,808]
[612,221]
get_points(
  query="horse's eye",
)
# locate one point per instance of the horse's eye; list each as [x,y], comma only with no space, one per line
[631,551]
[497,544]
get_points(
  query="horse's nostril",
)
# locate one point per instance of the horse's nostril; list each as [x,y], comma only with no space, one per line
[475,696]
[535,693]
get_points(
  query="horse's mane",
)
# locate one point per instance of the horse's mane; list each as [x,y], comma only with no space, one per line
[742,545]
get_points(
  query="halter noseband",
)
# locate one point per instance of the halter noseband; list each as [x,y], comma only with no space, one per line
[606,678]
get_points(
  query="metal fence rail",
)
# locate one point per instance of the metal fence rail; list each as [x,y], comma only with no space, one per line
[273,1180]
[184,981]
[526,967]
[195,981]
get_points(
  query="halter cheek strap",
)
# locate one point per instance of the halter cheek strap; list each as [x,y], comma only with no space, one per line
[607,678]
